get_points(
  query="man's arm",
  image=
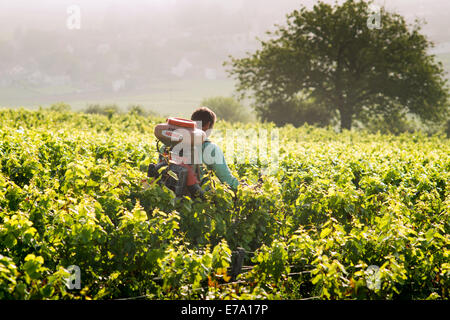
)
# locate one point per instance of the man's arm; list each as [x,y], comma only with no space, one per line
[214,158]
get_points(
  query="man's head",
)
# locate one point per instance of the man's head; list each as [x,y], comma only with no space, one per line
[206,116]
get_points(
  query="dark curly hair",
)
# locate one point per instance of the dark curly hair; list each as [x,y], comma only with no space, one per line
[204,115]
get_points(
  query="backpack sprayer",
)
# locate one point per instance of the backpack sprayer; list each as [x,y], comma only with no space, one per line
[182,139]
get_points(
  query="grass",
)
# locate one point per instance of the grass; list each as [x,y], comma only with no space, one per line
[177,97]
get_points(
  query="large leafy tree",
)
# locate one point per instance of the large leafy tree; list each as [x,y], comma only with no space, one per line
[330,55]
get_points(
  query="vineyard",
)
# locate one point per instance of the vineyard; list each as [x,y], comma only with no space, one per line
[347,215]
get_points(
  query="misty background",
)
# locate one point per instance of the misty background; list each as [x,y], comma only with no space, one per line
[165,55]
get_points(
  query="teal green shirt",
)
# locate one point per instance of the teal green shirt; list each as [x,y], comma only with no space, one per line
[214,159]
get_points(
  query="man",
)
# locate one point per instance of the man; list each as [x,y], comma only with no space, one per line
[212,156]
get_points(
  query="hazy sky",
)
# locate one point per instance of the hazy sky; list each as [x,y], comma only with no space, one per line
[52,14]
